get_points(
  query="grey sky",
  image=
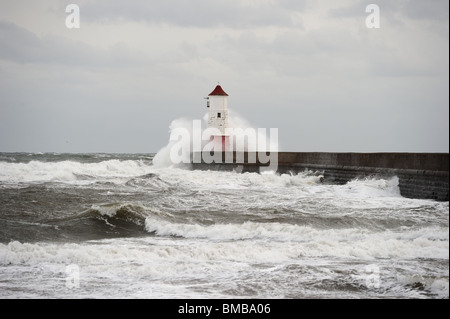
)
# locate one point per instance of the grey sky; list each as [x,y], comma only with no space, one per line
[310,68]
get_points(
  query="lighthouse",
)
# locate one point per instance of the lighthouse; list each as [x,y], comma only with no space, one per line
[218,116]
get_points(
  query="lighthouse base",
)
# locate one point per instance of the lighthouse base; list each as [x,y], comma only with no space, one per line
[221,142]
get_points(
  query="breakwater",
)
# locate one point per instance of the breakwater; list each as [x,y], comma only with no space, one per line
[421,175]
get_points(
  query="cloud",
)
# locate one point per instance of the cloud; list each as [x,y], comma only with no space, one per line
[310,68]
[398,12]
[18,44]
[192,13]
[23,46]
[434,10]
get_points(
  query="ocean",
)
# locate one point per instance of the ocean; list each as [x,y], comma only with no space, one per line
[117,226]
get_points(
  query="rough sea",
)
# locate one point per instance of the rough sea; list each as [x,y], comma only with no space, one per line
[116,226]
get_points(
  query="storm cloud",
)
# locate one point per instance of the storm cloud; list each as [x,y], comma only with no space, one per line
[312,69]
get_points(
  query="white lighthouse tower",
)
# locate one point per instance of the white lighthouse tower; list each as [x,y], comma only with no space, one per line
[218,116]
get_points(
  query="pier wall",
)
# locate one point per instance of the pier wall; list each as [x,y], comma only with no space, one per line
[421,175]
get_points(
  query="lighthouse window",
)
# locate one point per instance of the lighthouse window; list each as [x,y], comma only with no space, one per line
[219,115]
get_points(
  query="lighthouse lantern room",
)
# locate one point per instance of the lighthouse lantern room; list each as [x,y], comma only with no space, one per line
[218,115]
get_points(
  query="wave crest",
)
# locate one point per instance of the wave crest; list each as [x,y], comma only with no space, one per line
[429,242]
[69,171]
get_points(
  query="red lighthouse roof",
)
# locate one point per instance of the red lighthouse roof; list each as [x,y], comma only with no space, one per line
[218,91]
